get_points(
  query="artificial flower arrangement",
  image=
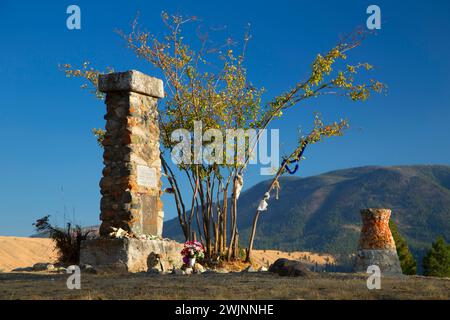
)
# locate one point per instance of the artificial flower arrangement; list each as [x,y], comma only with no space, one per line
[192,251]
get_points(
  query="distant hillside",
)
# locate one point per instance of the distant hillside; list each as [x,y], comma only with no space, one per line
[19,252]
[321,213]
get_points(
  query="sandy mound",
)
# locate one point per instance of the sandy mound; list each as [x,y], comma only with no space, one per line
[24,252]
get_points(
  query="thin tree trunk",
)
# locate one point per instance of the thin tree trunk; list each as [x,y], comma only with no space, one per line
[216,237]
[224,220]
[236,246]
[252,236]
[235,227]
[177,195]
[233,216]
[198,221]
[298,151]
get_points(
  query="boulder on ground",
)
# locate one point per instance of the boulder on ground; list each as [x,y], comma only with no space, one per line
[290,268]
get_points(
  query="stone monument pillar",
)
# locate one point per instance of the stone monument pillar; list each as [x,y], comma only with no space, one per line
[376,244]
[131,183]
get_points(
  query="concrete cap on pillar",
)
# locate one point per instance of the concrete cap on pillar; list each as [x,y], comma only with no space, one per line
[133,81]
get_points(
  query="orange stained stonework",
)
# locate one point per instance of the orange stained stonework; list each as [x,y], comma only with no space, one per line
[375,232]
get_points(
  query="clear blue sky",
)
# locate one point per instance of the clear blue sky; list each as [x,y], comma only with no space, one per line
[50,163]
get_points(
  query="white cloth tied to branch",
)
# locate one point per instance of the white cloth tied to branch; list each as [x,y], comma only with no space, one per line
[239,183]
[276,186]
[263,203]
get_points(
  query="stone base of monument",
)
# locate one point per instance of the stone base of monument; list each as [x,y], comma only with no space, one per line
[131,255]
[386,259]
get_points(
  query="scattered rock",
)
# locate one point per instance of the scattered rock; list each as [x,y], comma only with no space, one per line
[221,270]
[119,233]
[263,269]
[88,268]
[60,269]
[209,271]
[42,266]
[290,268]
[250,269]
[26,269]
[178,271]
[149,237]
[59,264]
[198,268]
[154,271]
[168,261]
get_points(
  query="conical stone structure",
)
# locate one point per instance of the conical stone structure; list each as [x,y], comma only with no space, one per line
[376,244]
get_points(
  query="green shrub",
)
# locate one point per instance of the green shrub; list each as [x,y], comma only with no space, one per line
[437,260]
[407,261]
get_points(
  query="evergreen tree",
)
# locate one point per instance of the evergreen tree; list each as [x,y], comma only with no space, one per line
[407,261]
[437,260]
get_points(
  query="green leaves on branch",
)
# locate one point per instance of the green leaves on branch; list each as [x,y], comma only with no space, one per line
[100,135]
[321,131]
[322,66]
[88,73]
[317,134]
[324,80]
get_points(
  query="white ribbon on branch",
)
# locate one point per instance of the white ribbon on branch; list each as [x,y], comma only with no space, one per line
[239,185]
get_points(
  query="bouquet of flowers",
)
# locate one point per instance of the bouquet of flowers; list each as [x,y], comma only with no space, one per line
[192,250]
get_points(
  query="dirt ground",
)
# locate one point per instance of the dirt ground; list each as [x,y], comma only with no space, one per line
[262,285]
[23,252]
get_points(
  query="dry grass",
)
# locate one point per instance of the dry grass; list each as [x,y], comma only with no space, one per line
[267,257]
[219,286]
[234,266]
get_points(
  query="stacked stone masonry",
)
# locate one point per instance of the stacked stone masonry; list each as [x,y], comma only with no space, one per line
[131,182]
